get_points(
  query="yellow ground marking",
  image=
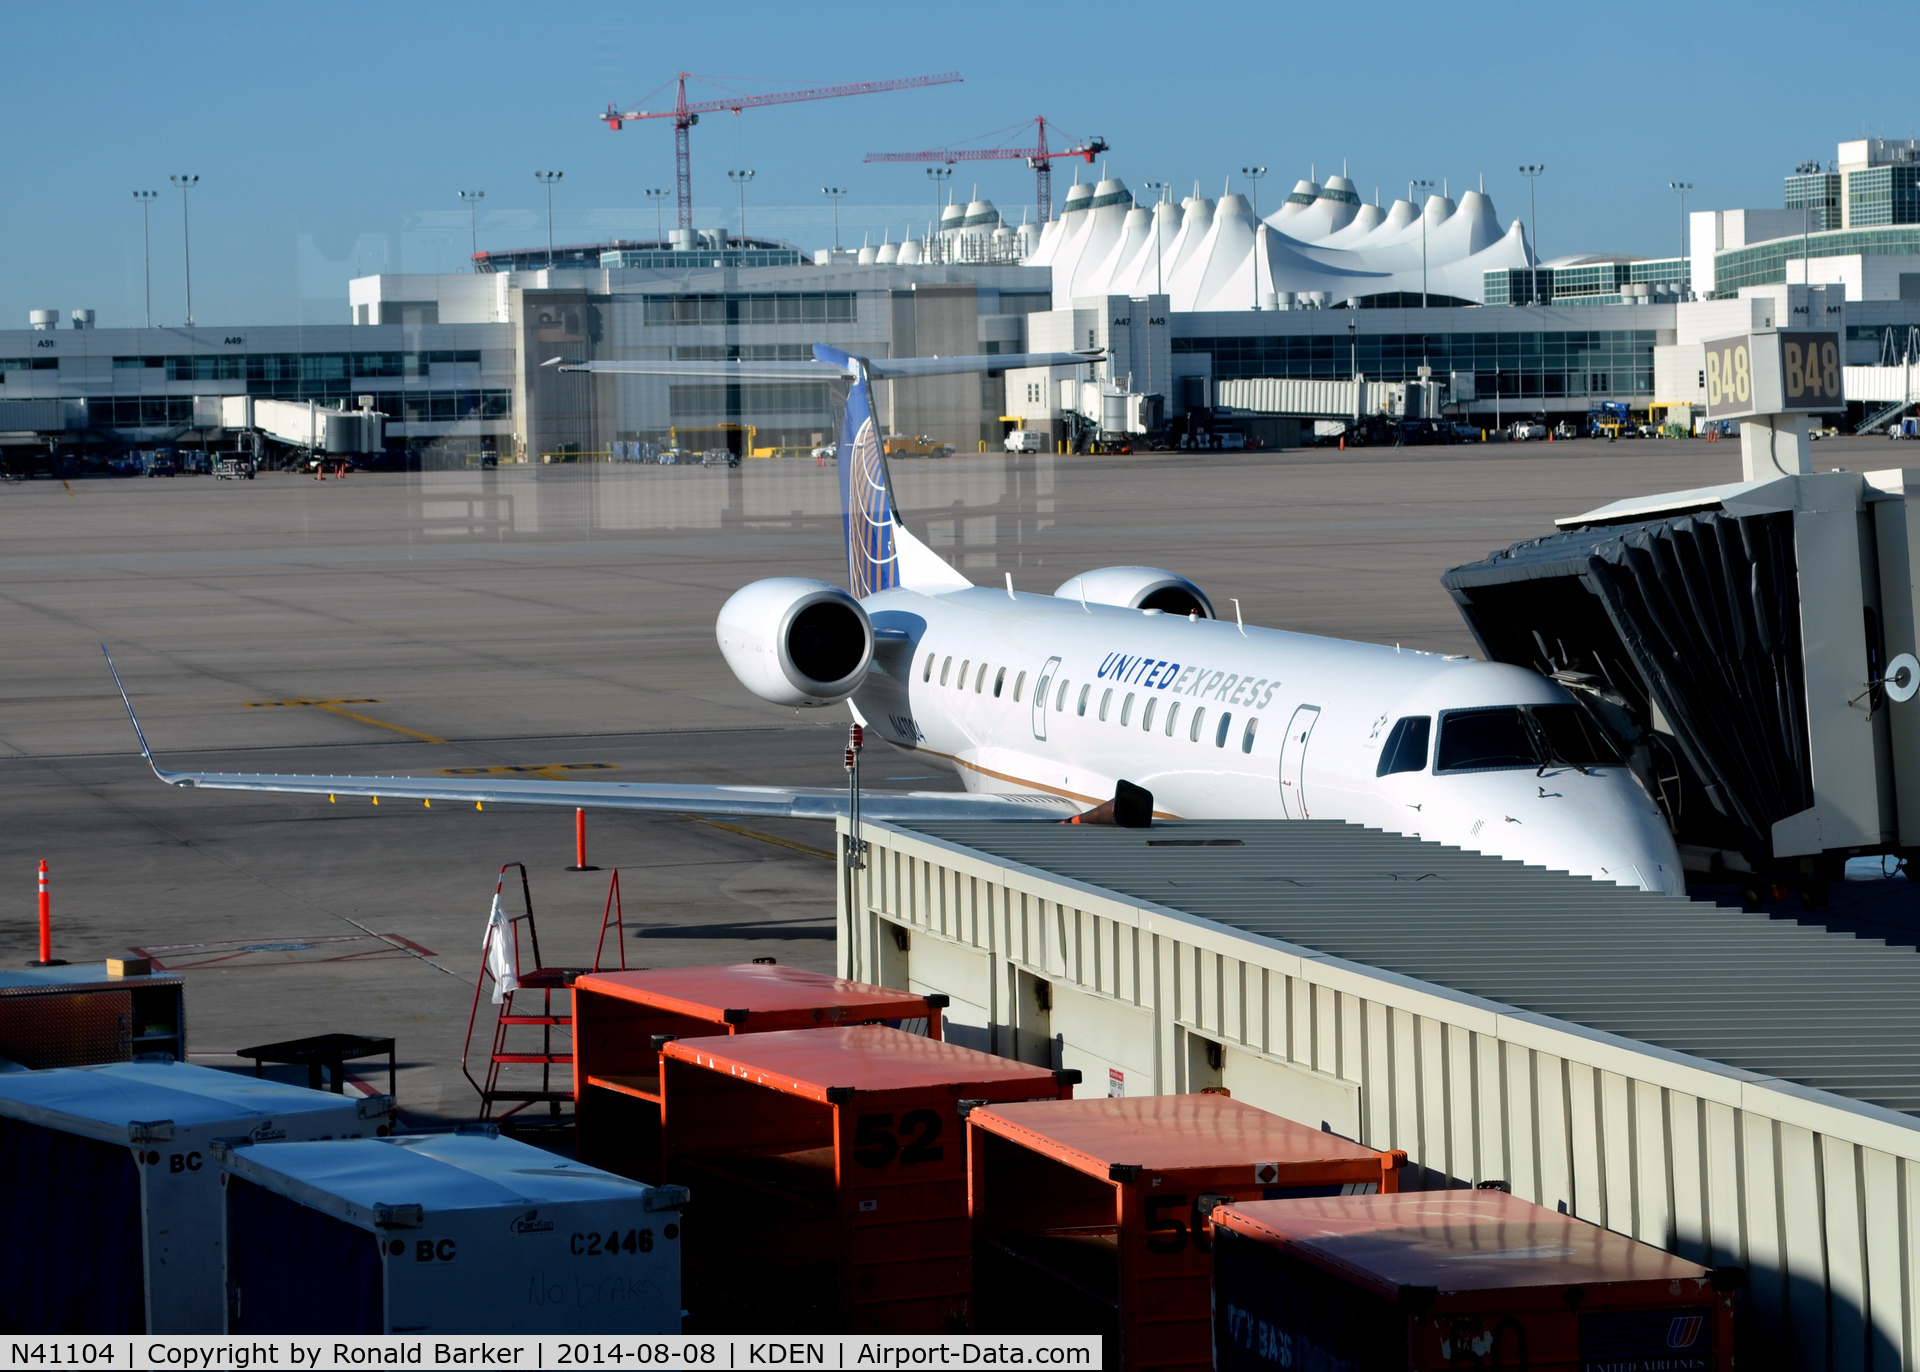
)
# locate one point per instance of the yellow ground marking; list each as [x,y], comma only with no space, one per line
[807,848]
[332,707]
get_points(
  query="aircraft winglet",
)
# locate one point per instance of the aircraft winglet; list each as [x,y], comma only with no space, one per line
[145,751]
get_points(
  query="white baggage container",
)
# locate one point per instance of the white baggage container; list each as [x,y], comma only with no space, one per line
[462,1233]
[110,1169]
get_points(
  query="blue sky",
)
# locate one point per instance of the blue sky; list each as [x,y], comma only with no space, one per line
[334,139]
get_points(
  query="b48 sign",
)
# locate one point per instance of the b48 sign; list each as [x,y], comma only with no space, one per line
[1793,371]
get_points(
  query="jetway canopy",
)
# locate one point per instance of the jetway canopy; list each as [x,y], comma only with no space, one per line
[1733,639]
[1690,625]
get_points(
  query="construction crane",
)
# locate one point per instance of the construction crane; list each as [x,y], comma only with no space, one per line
[685,116]
[1039,157]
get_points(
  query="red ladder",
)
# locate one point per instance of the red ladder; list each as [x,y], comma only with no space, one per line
[544,980]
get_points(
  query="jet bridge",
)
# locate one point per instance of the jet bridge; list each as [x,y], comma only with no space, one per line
[1752,648]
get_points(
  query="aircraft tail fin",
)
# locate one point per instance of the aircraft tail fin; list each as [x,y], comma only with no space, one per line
[880,552]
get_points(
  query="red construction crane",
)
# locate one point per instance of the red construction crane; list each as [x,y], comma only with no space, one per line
[1039,157]
[685,116]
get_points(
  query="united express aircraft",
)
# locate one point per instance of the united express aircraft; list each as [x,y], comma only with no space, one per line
[1045,704]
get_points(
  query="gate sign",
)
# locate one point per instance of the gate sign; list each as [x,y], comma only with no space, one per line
[1794,371]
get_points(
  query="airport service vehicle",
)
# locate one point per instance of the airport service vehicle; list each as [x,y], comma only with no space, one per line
[1523,430]
[1028,441]
[1044,703]
[900,445]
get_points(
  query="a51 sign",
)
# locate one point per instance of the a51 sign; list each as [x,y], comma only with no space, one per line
[1794,371]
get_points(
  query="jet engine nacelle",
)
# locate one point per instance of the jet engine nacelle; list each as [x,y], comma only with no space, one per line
[796,642]
[1138,588]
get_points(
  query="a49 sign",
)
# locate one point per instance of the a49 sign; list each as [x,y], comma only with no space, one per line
[1792,371]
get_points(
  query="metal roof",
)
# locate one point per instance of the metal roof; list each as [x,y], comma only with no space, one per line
[354,1179]
[1825,1010]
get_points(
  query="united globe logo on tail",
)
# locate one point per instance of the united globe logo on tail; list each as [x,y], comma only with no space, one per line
[866,499]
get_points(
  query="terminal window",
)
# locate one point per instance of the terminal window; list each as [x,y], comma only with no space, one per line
[809,307]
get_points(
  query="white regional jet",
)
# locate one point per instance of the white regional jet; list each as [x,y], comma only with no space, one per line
[1047,705]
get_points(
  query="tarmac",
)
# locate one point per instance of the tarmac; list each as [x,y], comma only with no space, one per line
[562,618]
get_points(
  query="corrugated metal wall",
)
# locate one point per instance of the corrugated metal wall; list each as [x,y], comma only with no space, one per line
[1813,1194]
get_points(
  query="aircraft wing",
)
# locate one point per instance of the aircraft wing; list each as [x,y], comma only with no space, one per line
[883,368]
[832,364]
[763,371]
[793,802]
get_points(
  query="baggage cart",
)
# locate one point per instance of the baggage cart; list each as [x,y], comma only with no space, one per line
[1436,1279]
[461,1233]
[619,1015]
[89,1013]
[111,1172]
[1089,1214]
[830,1171]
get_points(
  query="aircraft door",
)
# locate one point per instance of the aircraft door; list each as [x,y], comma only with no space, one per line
[1293,762]
[1041,690]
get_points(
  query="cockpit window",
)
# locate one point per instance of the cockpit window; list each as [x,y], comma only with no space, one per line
[1520,736]
[1471,740]
[1573,737]
[1406,747]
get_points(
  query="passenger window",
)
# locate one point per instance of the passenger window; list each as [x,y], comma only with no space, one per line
[1146,715]
[927,673]
[1173,717]
[1106,699]
[1246,739]
[1060,700]
[999,680]
[1220,734]
[1085,691]
[1406,747]
[961,680]
[1126,710]
[1019,685]
[945,667]
[980,682]
[1199,718]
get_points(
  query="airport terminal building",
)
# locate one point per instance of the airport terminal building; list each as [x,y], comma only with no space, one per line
[1333,290]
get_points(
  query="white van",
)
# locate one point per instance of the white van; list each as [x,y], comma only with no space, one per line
[1029,441]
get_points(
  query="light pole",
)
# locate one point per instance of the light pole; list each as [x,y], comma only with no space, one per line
[1159,188]
[740,179]
[1532,172]
[939,176]
[146,199]
[659,222]
[1426,186]
[186,183]
[473,199]
[547,179]
[1253,175]
[836,194]
[1682,187]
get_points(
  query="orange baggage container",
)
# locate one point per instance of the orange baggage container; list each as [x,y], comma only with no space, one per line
[1089,1215]
[617,1016]
[1440,1279]
[829,1174]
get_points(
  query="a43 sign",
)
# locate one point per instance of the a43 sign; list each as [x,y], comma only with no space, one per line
[1792,371]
